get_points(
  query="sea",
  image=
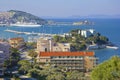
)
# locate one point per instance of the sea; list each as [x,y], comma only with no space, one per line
[107,27]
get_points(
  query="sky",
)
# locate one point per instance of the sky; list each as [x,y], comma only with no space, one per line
[63,8]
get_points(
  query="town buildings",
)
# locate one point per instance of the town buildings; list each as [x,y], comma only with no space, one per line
[4,54]
[83,61]
[48,45]
[17,42]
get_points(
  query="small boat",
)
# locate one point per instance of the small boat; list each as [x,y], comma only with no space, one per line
[112,47]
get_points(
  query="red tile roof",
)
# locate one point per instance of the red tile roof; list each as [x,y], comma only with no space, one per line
[66,54]
[17,38]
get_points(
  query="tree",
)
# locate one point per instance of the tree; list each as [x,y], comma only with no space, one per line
[6,63]
[32,53]
[31,45]
[53,73]
[74,75]
[25,66]
[108,70]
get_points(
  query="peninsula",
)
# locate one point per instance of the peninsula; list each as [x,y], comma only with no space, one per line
[14,18]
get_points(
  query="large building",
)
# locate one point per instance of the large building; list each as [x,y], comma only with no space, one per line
[17,42]
[83,61]
[87,33]
[48,45]
[44,44]
[4,54]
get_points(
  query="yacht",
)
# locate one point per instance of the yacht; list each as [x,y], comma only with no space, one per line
[112,47]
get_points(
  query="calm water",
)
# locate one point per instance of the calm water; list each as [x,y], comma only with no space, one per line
[107,27]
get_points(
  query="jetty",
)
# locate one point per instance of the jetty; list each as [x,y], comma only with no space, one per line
[29,33]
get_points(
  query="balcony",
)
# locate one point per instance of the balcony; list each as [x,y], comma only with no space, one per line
[67,58]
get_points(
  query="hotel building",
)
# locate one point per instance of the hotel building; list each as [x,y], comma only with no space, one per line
[83,61]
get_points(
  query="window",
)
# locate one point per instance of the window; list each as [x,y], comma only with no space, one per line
[45,49]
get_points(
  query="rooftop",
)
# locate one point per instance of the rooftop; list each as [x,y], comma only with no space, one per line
[66,54]
[17,38]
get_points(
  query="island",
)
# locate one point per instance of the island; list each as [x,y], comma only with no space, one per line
[84,22]
[20,18]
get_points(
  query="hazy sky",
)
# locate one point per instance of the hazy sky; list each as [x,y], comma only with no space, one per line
[63,8]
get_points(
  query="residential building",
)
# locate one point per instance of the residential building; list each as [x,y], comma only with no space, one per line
[83,61]
[17,42]
[44,44]
[48,45]
[4,54]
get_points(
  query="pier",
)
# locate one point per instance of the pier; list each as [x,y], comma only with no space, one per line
[29,33]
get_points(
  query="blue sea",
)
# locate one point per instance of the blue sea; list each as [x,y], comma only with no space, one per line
[107,27]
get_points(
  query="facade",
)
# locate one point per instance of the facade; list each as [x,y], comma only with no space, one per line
[4,54]
[44,44]
[48,45]
[87,33]
[17,42]
[83,61]
[58,47]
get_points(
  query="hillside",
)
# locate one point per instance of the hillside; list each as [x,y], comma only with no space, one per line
[14,16]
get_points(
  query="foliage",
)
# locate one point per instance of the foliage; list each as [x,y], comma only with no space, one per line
[25,66]
[55,73]
[108,70]
[74,75]
[14,58]
[31,45]
[32,53]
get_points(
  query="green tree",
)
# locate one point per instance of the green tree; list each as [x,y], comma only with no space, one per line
[31,45]
[74,75]
[6,63]
[32,53]
[25,66]
[53,73]
[57,38]
[108,70]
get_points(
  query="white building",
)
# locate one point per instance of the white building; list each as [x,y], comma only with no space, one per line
[4,54]
[87,33]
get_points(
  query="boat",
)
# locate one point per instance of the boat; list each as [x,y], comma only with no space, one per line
[26,25]
[112,47]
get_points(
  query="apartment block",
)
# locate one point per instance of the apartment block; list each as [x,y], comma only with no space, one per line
[83,61]
[17,42]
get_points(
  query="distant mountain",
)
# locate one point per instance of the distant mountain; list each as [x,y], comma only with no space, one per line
[15,16]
